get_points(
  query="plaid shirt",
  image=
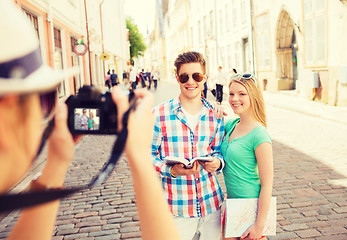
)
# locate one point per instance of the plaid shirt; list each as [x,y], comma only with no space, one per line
[195,195]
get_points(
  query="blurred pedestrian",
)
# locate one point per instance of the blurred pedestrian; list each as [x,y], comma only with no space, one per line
[155,77]
[149,79]
[125,78]
[205,87]
[132,78]
[221,81]
[143,78]
[108,80]
[186,127]
[247,150]
[114,78]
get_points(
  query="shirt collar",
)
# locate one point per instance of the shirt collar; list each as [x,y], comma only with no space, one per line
[176,104]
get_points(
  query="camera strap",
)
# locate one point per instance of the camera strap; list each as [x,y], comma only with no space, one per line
[9,202]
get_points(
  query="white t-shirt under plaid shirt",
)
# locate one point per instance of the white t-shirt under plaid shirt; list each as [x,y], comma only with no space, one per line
[195,195]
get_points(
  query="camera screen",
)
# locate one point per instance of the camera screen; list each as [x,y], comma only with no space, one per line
[87,119]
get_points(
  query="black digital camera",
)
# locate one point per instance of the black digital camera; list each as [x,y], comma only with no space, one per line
[92,112]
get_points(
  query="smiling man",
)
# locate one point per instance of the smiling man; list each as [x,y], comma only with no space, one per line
[186,127]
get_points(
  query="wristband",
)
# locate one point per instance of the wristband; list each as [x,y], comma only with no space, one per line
[172,175]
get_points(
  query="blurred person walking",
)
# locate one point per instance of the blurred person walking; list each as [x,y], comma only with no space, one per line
[114,78]
[132,78]
[155,78]
[221,81]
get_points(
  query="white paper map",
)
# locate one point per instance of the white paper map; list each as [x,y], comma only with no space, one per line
[241,213]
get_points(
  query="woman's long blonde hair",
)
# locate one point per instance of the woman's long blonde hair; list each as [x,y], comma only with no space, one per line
[256,97]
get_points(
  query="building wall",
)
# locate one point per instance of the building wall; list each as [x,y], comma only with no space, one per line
[319,64]
[67,17]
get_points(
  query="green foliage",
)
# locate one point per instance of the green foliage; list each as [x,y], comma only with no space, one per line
[137,45]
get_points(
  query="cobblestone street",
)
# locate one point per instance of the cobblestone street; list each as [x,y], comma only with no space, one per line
[310,159]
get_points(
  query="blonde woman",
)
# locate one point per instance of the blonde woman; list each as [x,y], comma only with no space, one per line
[247,150]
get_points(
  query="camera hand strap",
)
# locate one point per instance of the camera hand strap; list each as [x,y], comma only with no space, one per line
[9,202]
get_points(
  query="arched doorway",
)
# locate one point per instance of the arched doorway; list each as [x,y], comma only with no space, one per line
[286,53]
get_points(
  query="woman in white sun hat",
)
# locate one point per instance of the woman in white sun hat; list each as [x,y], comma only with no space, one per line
[27,98]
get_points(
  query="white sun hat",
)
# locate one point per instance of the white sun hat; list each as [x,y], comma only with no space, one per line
[21,66]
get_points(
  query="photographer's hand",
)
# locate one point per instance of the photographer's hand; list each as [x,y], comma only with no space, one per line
[155,217]
[60,149]
[38,222]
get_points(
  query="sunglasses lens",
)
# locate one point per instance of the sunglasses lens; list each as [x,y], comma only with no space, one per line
[48,102]
[183,77]
[247,75]
[198,77]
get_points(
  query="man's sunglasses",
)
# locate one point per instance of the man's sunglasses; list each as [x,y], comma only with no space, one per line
[246,76]
[184,77]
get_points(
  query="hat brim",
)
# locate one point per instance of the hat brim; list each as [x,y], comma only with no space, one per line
[44,79]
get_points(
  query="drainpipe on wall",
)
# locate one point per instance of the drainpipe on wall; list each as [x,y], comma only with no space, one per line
[252,35]
[89,57]
[216,28]
[50,33]
[102,38]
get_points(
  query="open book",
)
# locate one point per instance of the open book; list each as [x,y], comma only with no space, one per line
[241,213]
[188,164]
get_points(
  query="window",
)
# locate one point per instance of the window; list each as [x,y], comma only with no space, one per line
[237,55]
[34,21]
[234,13]
[206,32]
[315,31]
[199,32]
[221,22]
[243,11]
[57,38]
[211,23]
[230,65]
[263,41]
[58,59]
[73,42]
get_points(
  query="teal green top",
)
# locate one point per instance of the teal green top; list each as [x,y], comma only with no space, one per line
[241,174]
[90,124]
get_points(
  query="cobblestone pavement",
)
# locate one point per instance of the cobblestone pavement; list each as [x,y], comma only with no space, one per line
[310,159]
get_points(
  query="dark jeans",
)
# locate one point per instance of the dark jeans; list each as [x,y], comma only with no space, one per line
[219,93]
[133,85]
[155,82]
[149,84]
[205,90]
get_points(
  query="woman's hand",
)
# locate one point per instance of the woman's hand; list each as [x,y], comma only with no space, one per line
[212,166]
[140,122]
[60,150]
[219,112]
[254,232]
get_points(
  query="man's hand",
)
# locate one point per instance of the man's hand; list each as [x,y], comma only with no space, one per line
[179,169]
[212,166]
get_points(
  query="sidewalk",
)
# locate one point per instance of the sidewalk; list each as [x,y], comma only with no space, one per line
[304,106]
